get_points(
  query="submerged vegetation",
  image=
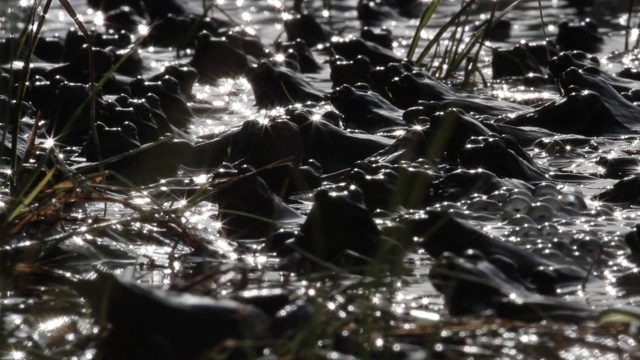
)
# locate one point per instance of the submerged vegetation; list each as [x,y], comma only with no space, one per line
[89,235]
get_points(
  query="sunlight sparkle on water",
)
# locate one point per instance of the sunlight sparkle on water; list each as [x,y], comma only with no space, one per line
[53,324]
[17,355]
[425,315]
[98,19]
[143,29]
[49,143]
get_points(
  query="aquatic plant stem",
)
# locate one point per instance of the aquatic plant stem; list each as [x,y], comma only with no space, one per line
[92,79]
[628,30]
[596,257]
[26,69]
[544,31]
[424,20]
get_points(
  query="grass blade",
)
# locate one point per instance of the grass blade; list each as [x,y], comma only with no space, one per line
[424,20]
[442,30]
[32,195]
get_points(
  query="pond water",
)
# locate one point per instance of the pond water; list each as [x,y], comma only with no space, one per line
[44,318]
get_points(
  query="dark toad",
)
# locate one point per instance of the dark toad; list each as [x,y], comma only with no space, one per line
[407,89]
[581,112]
[581,36]
[339,222]
[167,90]
[138,164]
[216,58]
[248,209]
[352,47]
[462,183]
[275,85]
[349,72]
[521,60]
[472,284]
[502,156]
[364,109]
[136,332]
[332,147]
[392,187]
[306,28]
[303,55]
[624,111]
[444,233]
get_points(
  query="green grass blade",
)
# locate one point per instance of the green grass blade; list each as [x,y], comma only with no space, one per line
[442,30]
[476,38]
[32,195]
[424,20]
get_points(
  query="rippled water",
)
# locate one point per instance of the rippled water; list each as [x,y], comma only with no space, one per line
[49,320]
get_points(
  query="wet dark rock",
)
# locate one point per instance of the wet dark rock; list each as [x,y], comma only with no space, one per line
[383,37]
[364,109]
[583,36]
[306,28]
[137,332]
[215,58]
[172,103]
[300,52]
[350,72]
[275,85]
[248,209]
[352,47]
[472,285]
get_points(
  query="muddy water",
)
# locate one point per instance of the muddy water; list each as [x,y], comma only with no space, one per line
[44,319]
